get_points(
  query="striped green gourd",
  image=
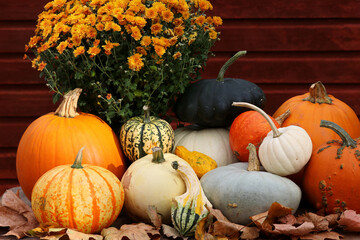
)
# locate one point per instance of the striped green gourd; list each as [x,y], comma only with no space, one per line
[141,133]
[188,209]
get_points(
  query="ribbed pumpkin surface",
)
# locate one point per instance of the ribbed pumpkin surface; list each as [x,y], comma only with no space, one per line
[86,199]
[138,136]
[51,141]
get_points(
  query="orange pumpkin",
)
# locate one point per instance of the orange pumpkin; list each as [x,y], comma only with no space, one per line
[55,138]
[248,127]
[332,176]
[83,197]
[309,109]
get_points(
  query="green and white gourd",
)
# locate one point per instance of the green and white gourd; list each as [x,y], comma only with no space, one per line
[188,209]
[141,133]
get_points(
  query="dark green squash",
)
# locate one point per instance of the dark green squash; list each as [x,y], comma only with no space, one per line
[208,102]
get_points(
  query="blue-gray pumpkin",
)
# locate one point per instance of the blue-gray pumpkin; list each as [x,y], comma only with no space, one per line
[208,102]
[240,191]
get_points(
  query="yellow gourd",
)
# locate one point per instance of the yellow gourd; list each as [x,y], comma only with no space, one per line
[201,163]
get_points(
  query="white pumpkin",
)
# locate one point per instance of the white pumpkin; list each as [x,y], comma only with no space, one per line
[152,181]
[283,151]
[213,142]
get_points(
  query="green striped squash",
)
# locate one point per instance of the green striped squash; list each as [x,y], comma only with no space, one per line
[189,209]
[140,134]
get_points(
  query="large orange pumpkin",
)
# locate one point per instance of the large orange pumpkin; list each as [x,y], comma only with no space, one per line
[83,197]
[309,109]
[55,138]
[332,176]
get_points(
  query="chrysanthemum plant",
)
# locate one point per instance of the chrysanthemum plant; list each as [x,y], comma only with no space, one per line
[123,53]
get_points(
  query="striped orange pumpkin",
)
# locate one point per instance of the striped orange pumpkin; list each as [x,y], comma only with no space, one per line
[85,197]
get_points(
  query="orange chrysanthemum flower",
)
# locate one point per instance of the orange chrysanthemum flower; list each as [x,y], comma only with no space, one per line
[141,50]
[136,34]
[41,66]
[146,41]
[156,28]
[217,21]
[200,20]
[135,62]
[62,46]
[179,30]
[160,50]
[167,15]
[177,55]
[93,51]
[79,51]
[109,46]
[212,34]
[151,13]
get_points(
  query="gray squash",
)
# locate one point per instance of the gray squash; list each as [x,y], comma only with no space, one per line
[240,193]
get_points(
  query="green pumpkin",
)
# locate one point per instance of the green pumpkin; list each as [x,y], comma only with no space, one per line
[140,134]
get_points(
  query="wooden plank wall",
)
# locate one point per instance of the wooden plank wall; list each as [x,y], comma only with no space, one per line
[291,44]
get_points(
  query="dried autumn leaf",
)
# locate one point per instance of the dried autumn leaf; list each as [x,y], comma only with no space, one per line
[171,232]
[75,235]
[16,214]
[321,223]
[139,231]
[321,236]
[155,218]
[290,230]
[350,221]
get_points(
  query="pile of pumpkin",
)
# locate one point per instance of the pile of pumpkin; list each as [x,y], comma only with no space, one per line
[232,158]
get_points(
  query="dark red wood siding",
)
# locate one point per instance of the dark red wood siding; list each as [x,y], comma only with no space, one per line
[291,44]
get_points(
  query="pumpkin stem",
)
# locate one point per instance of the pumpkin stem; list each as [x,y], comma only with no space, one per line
[158,155]
[276,132]
[317,94]
[146,114]
[67,107]
[254,163]
[223,69]
[280,119]
[345,137]
[78,159]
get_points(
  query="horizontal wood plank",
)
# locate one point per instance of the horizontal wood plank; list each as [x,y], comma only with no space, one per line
[286,9]
[6,184]
[251,35]
[8,163]
[28,10]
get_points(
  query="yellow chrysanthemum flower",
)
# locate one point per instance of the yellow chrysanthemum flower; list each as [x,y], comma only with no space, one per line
[136,34]
[79,51]
[135,62]
[146,41]
[167,16]
[156,28]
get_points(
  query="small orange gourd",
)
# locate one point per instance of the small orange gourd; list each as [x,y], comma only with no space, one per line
[201,163]
[83,197]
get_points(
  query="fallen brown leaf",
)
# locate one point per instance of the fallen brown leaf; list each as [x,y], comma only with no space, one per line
[16,214]
[321,236]
[138,231]
[171,232]
[290,230]
[350,221]
[155,218]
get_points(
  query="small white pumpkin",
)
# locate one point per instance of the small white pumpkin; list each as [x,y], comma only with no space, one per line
[283,151]
[213,142]
[152,181]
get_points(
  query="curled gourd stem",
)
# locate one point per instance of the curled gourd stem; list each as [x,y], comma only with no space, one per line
[68,106]
[280,119]
[78,159]
[227,65]
[254,163]
[345,137]
[317,94]
[158,155]
[276,132]
[146,114]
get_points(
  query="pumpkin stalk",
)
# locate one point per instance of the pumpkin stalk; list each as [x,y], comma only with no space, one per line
[146,114]
[78,159]
[158,155]
[254,162]
[345,137]
[276,132]
[223,69]
[67,107]
[317,94]
[280,119]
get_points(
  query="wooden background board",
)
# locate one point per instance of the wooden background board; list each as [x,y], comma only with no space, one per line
[291,44]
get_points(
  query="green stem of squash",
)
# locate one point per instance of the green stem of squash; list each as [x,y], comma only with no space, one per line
[223,69]
[68,106]
[345,137]
[78,159]
[276,132]
[158,155]
[318,94]
[146,114]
